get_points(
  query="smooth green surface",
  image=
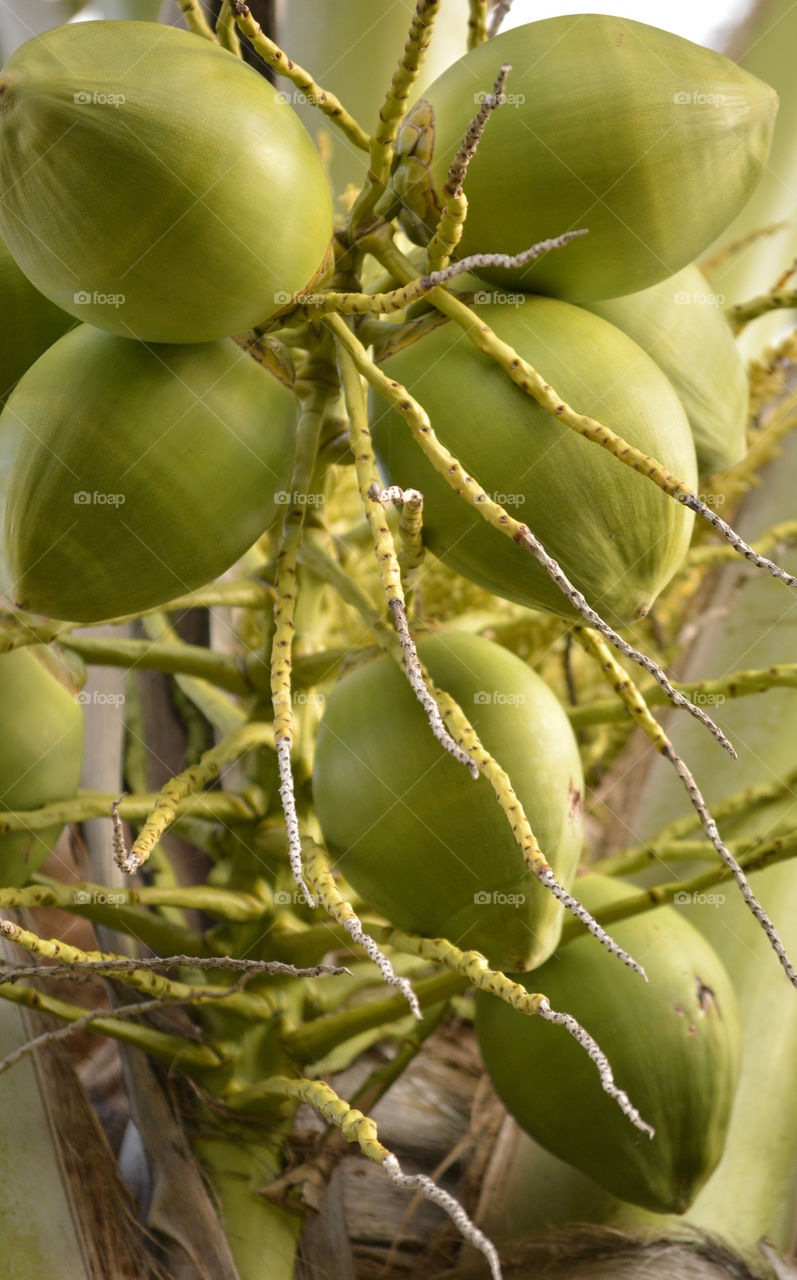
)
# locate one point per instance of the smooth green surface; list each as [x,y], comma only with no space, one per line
[681,325]
[41,753]
[651,142]
[154,185]
[754,262]
[674,1046]
[29,323]
[615,534]
[415,835]
[143,471]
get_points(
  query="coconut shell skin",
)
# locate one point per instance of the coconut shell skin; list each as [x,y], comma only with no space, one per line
[616,535]
[154,185]
[681,326]
[651,142]
[141,472]
[413,833]
[674,1045]
[41,753]
[29,323]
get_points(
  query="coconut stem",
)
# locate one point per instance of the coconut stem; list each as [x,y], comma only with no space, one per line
[315,387]
[254,1007]
[738,684]
[477,22]
[109,965]
[448,231]
[473,966]
[226,30]
[412,554]
[782,534]
[392,112]
[166,1048]
[361,1129]
[458,168]
[742,804]
[741,313]
[73,1028]
[335,905]
[500,10]
[637,709]
[16,629]
[279,62]
[196,20]
[188,783]
[757,858]
[308,434]
[385,552]
[173,659]
[212,806]
[395,300]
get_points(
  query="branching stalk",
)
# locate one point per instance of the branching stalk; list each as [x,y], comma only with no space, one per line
[636,707]
[384,549]
[392,111]
[274,57]
[739,684]
[188,783]
[742,313]
[335,904]
[473,966]
[361,1129]
[167,1048]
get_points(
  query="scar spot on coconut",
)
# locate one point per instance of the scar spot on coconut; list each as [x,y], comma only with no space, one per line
[574,797]
[705,997]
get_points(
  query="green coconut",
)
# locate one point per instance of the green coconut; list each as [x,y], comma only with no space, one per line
[617,536]
[680,323]
[41,752]
[154,185]
[29,323]
[650,142]
[674,1045]
[415,835]
[141,471]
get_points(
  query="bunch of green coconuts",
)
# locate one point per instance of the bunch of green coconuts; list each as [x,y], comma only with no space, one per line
[159,200]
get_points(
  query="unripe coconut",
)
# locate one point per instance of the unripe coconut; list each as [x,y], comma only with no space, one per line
[415,835]
[141,472]
[154,185]
[651,142]
[29,323]
[674,1045]
[41,751]
[616,535]
[679,322]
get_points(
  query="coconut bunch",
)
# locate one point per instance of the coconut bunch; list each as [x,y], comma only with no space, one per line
[206,349]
